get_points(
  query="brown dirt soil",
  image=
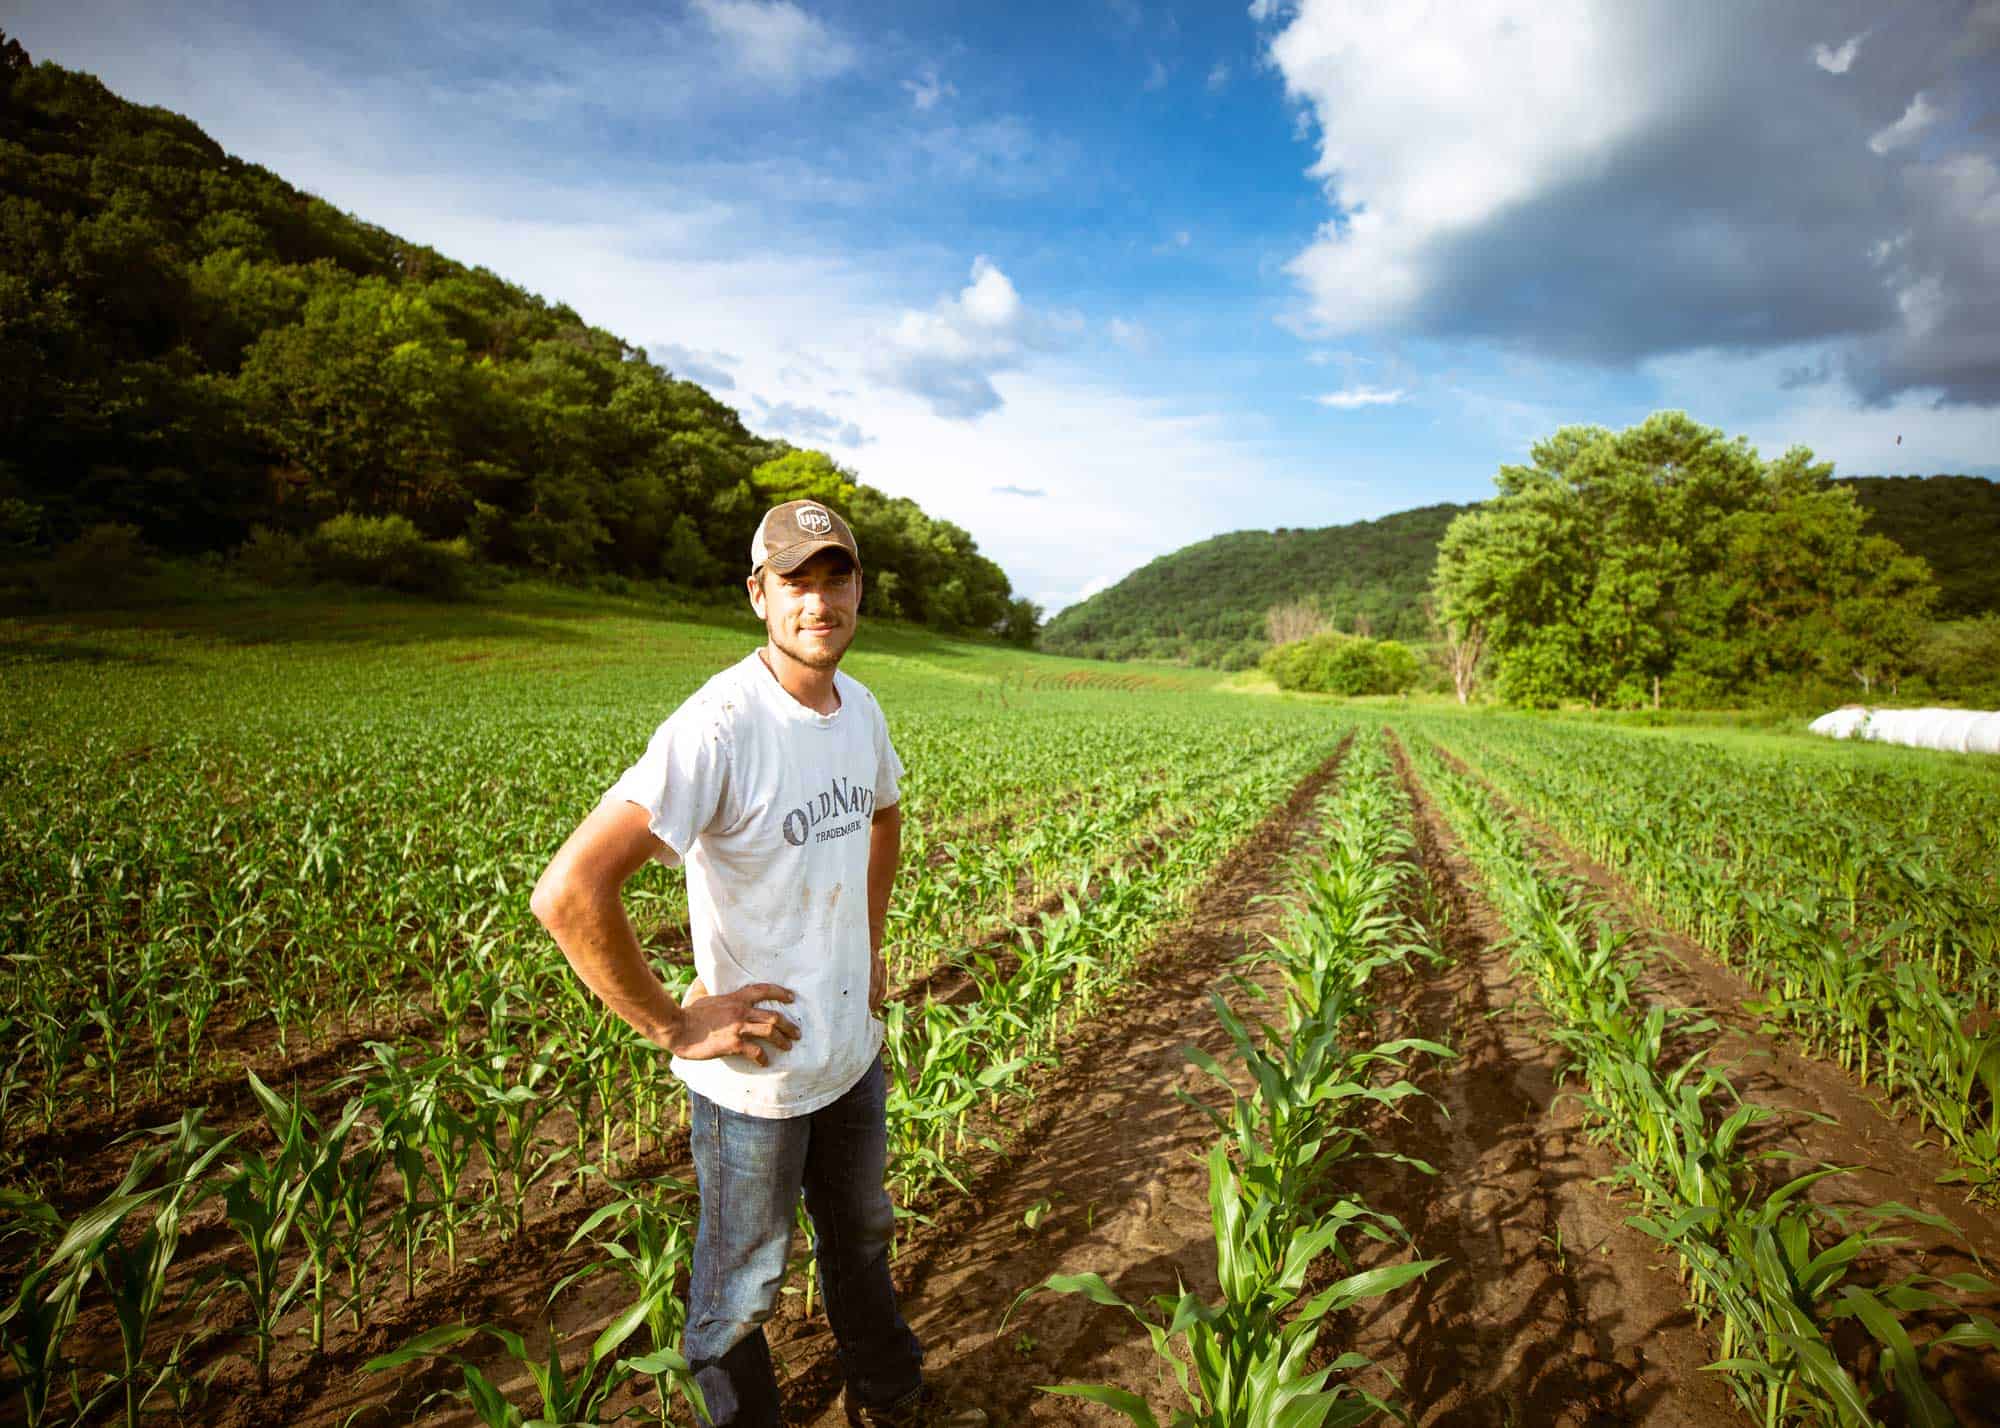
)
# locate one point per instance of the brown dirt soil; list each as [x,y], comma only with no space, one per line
[1114,1157]
[1826,1118]
[1557,1312]
[1551,1309]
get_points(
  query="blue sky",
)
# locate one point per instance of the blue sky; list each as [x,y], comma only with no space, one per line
[1102,278]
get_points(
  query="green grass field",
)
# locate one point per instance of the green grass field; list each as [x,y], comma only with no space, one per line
[535,653]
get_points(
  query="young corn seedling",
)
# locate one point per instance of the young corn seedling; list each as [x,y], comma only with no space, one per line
[653,1248]
[262,1202]
[566,1399]
[134,1274]
[44,1309]
[1241,1362]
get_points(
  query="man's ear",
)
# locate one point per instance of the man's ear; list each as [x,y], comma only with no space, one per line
[755,586]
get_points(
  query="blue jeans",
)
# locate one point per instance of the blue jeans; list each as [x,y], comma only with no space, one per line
[751,1171]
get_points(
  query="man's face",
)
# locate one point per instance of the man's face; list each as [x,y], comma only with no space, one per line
[809,612]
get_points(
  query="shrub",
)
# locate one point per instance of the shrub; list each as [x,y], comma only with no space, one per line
[1963,660]
[20,526]
[276,558]
[388,551]
[1333,663]
[109,564]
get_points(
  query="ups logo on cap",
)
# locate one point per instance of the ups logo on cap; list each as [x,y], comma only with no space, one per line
[812,519]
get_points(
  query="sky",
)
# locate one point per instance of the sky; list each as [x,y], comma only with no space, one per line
[1101,278]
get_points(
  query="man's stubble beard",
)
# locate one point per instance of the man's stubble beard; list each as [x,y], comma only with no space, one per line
[811,659]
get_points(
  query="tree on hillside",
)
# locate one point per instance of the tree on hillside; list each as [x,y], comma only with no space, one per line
[804,476]
[1460,647]
[1619,563]
[13,60]
[1292,621]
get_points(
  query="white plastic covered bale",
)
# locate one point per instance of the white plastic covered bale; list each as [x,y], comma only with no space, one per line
[1958,731]
[1842,723]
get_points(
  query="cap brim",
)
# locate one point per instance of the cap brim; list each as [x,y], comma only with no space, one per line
[793,556]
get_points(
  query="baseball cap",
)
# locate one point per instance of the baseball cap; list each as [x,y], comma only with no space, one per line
[790,533]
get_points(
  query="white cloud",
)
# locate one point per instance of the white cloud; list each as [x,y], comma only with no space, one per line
[1758,396]
[1353,398]
[926,90]
[1841,60]
[710,369]
[1907,130]
[1156,77]
[1132,336]
[1053,601]
[1435,117]
[1218,78]
[950,354]
[1262,10]
[809,424]
[776,42]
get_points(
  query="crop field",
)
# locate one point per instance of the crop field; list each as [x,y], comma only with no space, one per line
[1252,1059]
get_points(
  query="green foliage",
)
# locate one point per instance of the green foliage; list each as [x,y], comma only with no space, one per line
[192,348]
[803,476]
[1618,564]
[1333,663]
[1963,656]
[387,551]
[106,564]
[1763,1261]
[1953,522]
[275,558]
[1022,622]
[1206,604]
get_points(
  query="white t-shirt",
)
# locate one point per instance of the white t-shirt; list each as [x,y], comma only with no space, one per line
[768,805]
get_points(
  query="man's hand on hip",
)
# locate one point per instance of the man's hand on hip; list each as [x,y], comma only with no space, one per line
[731,1024]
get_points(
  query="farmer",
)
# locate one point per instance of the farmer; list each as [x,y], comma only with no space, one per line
[776,786]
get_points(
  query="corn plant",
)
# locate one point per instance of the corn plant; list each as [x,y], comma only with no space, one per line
[262,1201]
[43,1311]
[653,1248]
[565,1398]
[1241,1361]
[1763,1265]
[133,1273]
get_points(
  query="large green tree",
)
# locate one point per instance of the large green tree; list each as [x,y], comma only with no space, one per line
[1617,564]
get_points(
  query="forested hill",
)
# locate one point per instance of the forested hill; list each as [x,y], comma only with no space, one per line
[1953,522]
[1206,602]
[193,347]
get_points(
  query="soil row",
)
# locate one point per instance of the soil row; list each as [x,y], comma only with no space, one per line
[1824,1117]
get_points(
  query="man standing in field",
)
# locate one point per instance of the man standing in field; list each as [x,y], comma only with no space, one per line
[776,785]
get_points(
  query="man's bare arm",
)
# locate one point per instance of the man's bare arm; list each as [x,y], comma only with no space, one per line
[577,898]
[885,850]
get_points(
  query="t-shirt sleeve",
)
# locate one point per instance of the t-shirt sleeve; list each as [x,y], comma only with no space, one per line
[888,765]
[682,780]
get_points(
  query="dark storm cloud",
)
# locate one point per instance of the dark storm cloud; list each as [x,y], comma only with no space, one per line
[1747,210]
